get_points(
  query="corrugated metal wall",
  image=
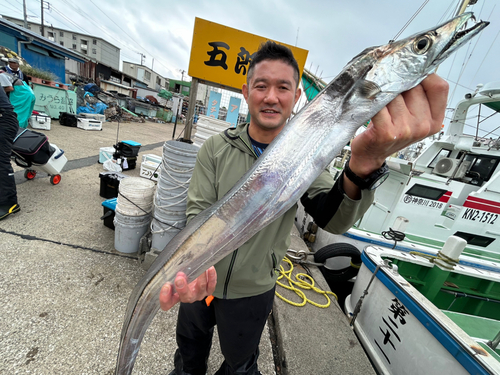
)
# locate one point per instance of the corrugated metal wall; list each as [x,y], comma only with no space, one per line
[43,62]
[8,41]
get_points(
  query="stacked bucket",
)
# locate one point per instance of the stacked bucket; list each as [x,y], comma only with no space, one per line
[134,205]
[169,215]
[206,127]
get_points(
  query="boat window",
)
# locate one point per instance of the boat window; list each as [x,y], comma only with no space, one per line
[475,239]
[427,192]
[444,153]
[482,166]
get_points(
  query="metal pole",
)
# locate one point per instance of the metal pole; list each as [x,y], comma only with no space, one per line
[176,118]
[190,114]
[494,343]
[43,30]
[25,15]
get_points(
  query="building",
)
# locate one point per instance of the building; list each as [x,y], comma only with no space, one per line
[144,74]
[181,87]
[94,48]
[40,52]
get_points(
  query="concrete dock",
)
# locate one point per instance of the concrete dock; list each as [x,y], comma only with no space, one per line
[64,288]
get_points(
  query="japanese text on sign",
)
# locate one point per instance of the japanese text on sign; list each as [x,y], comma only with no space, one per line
[222,55]
[54,101]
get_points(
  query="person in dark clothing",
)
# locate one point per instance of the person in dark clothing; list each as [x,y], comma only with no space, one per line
[241,287]
[8,130]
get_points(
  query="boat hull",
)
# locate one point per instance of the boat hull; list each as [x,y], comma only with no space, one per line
[404,333]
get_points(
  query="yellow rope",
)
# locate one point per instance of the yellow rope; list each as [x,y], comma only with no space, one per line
[302,284]
[440,256]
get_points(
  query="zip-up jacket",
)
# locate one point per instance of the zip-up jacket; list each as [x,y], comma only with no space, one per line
[252,269]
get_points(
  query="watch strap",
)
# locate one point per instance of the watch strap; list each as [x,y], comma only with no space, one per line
[365,183]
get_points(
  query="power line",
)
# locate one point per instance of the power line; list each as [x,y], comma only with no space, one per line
[140,45]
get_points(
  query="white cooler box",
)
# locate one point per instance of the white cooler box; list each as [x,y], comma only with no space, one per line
[89,124]
[93,116]
[152,157]
[150,170]
[40,121]
[56,162]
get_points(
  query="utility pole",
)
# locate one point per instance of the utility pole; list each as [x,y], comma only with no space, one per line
[43,28]
[25,15]
[143,57]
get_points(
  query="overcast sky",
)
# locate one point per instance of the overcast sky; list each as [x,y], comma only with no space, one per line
[333,31]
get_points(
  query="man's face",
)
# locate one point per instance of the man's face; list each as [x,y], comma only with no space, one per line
[14,65]
[271,94]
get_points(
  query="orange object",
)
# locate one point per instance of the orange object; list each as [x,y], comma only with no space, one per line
[209,300]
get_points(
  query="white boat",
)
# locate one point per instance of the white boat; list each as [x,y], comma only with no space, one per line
[417,317]
[414,316]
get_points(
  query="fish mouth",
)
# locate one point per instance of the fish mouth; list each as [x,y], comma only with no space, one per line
[462,32]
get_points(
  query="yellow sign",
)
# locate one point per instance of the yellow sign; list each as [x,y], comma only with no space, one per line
[222,55]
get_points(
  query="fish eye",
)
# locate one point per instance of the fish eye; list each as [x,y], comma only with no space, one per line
[422,45]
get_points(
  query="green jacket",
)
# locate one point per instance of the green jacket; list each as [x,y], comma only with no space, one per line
[252,269]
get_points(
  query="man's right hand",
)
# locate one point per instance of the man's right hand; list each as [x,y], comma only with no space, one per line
[200,288]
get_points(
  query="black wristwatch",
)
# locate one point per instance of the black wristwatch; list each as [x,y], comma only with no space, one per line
[373,181]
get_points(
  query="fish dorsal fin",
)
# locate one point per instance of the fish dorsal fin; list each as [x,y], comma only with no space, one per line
[368,89]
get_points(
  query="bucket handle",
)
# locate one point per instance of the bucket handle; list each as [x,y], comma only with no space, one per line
[163,230]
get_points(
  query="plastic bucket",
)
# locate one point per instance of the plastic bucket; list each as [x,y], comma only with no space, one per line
[170,203]
[182,149]
[171,177]
[129,230]
[164,226]
[135,196]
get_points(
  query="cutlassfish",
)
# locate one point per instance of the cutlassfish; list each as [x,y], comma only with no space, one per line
[296,157]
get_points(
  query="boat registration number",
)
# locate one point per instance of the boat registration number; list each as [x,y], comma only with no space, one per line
[409,199]
[479,216]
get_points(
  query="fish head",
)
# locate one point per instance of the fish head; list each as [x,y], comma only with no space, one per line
[401,65]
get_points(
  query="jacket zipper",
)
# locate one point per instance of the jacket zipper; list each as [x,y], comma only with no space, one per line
[235,253]
[229,272]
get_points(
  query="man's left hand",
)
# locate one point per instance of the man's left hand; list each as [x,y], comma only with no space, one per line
[409,118]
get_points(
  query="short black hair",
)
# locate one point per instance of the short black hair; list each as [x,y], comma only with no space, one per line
[273,51]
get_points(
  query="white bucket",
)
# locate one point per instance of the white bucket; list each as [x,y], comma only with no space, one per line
[164,226]
[167,202]
[135,196]
[170,199]
[129,230]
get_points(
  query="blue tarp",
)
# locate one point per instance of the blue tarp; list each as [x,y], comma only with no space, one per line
[97,108]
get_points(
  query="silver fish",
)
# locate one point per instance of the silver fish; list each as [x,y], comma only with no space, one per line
[297,156]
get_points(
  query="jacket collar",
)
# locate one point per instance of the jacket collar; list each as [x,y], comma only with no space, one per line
[238,137]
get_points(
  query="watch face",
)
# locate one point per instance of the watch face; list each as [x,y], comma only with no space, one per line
[379,181]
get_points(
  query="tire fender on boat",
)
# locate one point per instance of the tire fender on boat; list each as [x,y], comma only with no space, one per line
[339,250]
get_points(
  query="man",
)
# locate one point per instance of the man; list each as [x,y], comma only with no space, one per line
[6,82]
[245,291]
[8,130]
[13,68]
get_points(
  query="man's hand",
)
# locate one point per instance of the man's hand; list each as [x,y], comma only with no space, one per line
[409,118]
[203,286]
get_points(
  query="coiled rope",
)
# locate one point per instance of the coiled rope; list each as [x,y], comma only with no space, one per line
[303,284]
[450,262]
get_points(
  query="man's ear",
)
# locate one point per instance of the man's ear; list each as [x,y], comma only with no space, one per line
[297,94]
[244,91]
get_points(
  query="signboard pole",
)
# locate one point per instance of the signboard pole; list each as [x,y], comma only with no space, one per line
[190,113]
